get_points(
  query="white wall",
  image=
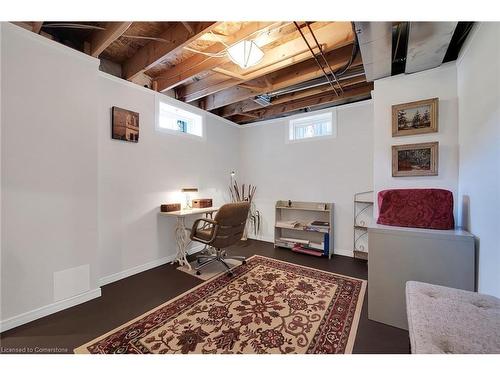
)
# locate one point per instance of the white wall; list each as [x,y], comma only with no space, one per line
[134,179]
[49,172]
[330,170]
[78,208]
[479,144]
[439,82]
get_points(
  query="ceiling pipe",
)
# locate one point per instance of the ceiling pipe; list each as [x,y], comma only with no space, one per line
[400,34]
[315,83]
[315,58]
[324,58]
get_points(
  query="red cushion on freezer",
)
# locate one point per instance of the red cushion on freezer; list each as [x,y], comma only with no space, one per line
[416,208]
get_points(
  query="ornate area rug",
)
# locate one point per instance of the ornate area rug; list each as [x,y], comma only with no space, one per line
[268,306]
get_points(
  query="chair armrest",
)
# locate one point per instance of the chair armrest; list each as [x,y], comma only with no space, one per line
[210,222]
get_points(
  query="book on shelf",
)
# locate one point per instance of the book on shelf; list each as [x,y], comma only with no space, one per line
[312,228]
[298,248]
[318,226]
[318,247]
[318,223]
[288,224]
[294,240]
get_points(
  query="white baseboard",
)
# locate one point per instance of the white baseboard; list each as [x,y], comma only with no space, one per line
[347,253]
[134,270]
[143,267]
[40,312]
[29,316]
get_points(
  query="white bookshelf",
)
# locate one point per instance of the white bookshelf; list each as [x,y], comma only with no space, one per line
[304,213]
[363,217]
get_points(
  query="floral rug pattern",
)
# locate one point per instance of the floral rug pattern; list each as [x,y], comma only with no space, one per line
[268,306]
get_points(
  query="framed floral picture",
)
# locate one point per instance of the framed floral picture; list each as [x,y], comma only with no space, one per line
[419,159]
[419,117]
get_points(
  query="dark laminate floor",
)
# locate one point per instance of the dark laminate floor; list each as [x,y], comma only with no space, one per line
[128,298]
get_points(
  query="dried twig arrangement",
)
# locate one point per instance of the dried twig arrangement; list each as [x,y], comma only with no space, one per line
[238,195]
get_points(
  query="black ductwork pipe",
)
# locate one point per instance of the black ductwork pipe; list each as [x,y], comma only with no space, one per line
[400,34]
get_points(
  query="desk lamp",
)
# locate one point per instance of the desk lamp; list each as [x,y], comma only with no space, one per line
[187,194]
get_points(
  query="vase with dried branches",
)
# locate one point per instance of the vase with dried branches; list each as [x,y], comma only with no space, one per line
[246,194]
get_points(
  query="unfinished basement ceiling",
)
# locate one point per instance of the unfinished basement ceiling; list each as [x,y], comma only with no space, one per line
[305,66]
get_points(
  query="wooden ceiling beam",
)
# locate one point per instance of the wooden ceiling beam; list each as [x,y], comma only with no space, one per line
[156,51]
[37,26]
[25,25]
[249,115]
[332,35]
[34,27]
[102,39]
[250,105]
[289,76]
[328,98]
[30,26]
[188,27]
[199,63]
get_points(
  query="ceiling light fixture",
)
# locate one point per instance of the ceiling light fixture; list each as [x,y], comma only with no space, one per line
[245,53]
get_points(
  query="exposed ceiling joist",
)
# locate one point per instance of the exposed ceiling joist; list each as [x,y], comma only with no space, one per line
[24,25]
[199,63]
[188,27]
[101,39]
[155,51]
[30,26]
[37,26]
[327,98]
[332,35]
[250,105]
[292,75]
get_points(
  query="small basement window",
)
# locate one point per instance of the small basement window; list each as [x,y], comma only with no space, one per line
[310,127]
[177,120]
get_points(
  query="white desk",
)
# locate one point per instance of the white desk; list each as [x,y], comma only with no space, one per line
[182,233]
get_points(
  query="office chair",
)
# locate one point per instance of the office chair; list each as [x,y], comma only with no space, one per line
[224,230]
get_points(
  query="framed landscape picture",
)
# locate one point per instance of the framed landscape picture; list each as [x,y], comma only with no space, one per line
[419,117]
[419,159]
[125,125]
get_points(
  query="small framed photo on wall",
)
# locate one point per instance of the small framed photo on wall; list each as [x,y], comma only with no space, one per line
[125,125]
[419,159]
[419,117]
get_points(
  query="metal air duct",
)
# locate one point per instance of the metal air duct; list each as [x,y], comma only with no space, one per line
[427,44]
[375,43]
